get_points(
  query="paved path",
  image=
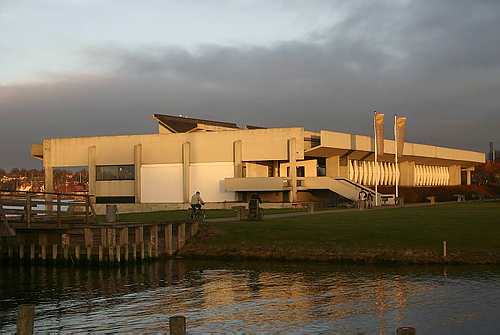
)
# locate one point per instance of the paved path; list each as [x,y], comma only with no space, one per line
[339,210]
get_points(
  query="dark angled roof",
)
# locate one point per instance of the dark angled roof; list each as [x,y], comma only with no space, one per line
[180,124]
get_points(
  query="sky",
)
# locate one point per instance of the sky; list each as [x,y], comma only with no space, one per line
[101,67]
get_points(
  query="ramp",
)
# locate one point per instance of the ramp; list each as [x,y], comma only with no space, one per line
[345,187]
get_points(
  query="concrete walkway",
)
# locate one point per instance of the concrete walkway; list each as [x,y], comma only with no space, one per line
[339,210]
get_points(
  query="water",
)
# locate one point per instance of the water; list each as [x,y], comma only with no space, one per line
[230,297]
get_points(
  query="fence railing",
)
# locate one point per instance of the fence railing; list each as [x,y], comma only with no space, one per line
[46,207]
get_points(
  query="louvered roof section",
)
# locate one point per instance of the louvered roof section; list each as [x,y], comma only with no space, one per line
[181,124]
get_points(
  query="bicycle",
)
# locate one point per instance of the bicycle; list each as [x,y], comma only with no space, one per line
[196,215]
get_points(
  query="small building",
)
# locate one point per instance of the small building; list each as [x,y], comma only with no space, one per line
[226,162]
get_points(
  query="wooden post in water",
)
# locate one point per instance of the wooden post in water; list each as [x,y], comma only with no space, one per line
[28,210]
[25,319]
[87,232]
[177,325]
[181,235]
[104,237]
[124,242]
[54,252]
[445,251]
[139,239]
[77,252]
[21,252]
[65,245]
[58,210]
[118,253]
[406,331]
[194,229]
[169,240]
[43,241]
[43,252]
[153,241]
[32,252]
[100,253]
[111,257]
[134,252]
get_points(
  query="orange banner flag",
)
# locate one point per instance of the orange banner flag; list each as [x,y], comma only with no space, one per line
[400,133]
[379,132]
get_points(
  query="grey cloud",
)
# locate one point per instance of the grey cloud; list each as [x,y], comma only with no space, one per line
[436,62]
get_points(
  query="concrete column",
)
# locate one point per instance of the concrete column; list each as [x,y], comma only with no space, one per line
[137,168]
[92,170]
[186,180]
[344,166]
[49,179]
[333,166]
[276,168]
[292,159]
[407,173]
[455,175]
[237,159]
[469,176]
[47,165]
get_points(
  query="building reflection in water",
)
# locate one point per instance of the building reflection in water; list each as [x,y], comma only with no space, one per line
[219,297]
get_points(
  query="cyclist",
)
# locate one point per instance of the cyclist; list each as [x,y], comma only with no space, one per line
[196,202]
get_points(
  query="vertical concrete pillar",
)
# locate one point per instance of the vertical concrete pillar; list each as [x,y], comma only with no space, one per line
[455,175]
[276,168]
[49,178]
[186,180]
[237,159]
[333,166]
[469,176]
[344,166]
[47,166]
[407,173]
[92,169]
[137,169]
[292,159]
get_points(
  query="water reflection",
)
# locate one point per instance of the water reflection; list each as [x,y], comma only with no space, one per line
[253,298]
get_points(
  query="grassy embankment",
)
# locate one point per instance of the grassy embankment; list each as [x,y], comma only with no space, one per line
[405,235]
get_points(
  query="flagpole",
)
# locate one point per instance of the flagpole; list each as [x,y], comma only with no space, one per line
[376,159]
[396,152]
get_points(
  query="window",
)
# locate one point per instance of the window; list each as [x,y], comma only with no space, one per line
[115,200]
[115,172]
[301,171]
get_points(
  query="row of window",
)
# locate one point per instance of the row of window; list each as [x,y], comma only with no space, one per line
[115,172]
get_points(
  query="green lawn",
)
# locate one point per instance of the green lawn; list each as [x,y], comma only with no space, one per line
[468,228]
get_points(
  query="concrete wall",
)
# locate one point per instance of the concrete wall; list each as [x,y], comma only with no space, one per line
[115,188]
[208,179]
[257,145]
[169,148]
[256,170]
[425,154]
[310,168]
[161,183]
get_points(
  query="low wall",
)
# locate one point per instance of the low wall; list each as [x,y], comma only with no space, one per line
[100,209]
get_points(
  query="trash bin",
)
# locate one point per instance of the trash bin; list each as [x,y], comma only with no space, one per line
[111,211]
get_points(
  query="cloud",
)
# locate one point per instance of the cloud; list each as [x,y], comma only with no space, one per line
[435,62]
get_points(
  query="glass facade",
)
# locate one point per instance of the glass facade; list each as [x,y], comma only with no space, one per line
[115,172]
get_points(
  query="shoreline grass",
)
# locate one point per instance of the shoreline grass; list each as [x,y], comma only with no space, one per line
[400,235]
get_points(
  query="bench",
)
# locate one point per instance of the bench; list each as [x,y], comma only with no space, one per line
[432,199]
